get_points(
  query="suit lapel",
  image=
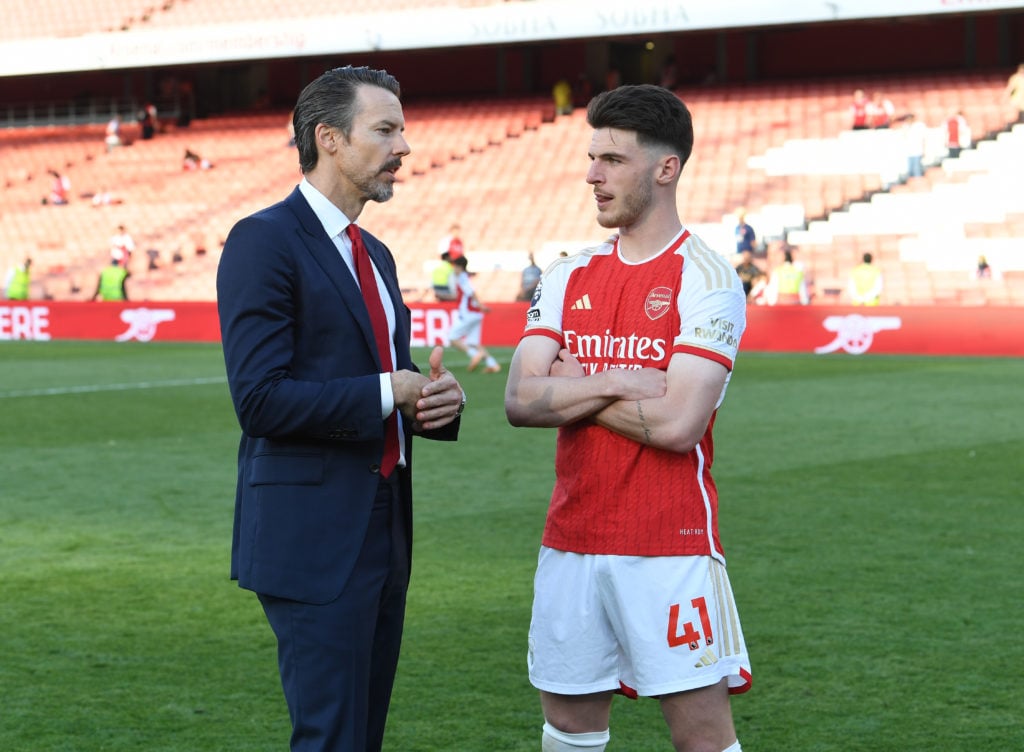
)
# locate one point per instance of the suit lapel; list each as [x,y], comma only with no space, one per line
[326,255]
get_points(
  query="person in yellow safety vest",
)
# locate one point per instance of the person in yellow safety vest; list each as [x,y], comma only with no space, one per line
[561,93]
[788,284]
[442,279]
[111,283]
[19,280]
[865,286]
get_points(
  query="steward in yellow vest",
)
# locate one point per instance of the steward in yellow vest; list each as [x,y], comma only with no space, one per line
[19,281]
[788,280]
[111,284]
[442,278]
[865,283]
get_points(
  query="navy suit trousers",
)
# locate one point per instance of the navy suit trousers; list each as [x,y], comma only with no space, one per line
[338,660]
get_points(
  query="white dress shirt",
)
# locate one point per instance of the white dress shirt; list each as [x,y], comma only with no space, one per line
[335,223]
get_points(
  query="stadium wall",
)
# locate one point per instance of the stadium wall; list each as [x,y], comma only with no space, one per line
[934,330]
[987,38]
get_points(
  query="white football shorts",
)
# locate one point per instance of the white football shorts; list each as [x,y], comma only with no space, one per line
[646,626]
[467,326]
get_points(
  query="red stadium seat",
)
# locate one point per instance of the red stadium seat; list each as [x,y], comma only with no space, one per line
[513,179]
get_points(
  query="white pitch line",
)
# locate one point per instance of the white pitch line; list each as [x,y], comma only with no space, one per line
[87,388]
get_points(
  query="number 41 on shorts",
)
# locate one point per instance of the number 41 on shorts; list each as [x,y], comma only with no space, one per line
[689,634]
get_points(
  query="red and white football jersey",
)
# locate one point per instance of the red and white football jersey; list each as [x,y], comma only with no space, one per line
[614,495]
[466,295]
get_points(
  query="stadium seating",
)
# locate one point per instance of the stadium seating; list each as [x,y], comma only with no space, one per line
[513,176]
[205,12]
[939,227]
[58,18]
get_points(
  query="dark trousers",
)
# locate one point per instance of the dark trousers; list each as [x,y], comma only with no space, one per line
[338,660]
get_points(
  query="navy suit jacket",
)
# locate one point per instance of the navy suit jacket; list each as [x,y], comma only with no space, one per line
[303,371]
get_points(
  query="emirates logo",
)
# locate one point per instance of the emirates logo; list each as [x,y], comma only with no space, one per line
[658,303]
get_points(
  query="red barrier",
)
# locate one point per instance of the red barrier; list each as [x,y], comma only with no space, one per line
[924,330]
[169,322]
[975,330]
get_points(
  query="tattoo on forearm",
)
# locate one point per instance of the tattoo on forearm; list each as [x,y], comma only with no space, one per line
[643,422]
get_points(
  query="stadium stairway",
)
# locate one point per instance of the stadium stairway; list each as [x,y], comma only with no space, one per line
[927,234]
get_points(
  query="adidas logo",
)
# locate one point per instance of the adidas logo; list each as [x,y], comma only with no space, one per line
[707,659]
[583,304]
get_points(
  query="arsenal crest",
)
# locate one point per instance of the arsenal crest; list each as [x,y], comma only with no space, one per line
[658,302]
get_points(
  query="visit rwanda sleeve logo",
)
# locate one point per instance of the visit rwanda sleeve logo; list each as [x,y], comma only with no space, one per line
[658,302]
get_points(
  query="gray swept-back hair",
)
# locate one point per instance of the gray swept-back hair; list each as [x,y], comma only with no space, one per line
[330,99]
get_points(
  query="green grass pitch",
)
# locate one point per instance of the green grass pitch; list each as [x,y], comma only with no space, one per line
[871,507]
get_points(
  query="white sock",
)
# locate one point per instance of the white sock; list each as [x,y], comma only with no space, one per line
[554,740]
[734,747]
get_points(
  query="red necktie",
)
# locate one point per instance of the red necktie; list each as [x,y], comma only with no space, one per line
[371,296]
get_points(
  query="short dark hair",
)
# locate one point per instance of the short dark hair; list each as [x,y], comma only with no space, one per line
[656,115]
[330,99]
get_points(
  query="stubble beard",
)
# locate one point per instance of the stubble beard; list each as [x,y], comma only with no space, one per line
[635,205]
[381,192]
[377,189]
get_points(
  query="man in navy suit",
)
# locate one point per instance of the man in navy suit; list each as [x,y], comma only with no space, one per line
[323,525]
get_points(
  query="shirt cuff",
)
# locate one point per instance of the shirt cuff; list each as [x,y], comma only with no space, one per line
[387,396]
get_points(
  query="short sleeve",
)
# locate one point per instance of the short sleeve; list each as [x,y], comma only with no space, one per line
[712,306]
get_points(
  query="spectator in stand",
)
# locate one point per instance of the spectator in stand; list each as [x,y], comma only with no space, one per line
[147,120]
[113,134]
[465,333]
[104,197]
[915,134]
[880,111]
[122,246]
[748,272]
[529,280]
[746,238]
[865,285]
[759,291]
[19,281]
[60,189]
[1015,92]
[561,94]
[958,134]
[859,111]
[984,270]
[192,161]
[110,286]
[452,242]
